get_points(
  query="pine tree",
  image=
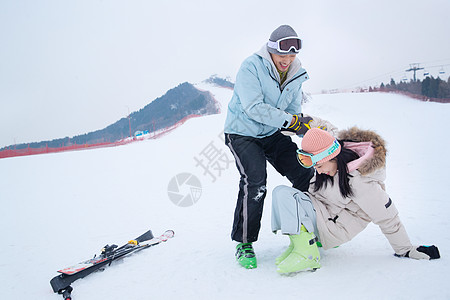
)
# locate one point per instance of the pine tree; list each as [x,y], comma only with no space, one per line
[392,83]
[426,86]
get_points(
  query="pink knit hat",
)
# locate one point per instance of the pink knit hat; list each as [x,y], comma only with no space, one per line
[316,141]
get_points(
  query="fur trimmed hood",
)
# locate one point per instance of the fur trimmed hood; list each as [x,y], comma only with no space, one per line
[375,161]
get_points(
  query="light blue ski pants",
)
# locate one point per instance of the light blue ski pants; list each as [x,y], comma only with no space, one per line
[290,209]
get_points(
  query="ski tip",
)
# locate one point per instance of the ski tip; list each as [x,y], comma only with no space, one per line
[169,233]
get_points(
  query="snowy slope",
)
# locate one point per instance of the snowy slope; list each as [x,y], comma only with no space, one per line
[59,209]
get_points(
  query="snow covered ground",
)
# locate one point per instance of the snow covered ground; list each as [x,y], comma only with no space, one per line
[59,209]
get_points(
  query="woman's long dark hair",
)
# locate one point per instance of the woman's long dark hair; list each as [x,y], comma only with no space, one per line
[343,158]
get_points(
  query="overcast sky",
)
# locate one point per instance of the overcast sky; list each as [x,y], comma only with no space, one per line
[70,67]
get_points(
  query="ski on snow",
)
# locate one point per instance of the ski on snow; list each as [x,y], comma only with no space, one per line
[61,283]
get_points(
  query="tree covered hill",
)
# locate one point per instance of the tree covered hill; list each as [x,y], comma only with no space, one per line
[225,83]
[178,103]
[430,88]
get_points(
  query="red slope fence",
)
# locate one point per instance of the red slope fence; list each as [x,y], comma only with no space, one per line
[11,152]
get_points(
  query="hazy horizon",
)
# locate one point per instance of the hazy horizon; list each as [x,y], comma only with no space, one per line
[68,68]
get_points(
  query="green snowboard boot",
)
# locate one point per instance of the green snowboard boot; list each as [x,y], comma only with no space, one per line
[245,255]
[304,256]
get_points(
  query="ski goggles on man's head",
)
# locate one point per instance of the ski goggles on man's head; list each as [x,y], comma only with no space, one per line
[309,160]
[285,45]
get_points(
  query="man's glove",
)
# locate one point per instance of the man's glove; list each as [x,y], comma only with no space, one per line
[300,125]
[422,252]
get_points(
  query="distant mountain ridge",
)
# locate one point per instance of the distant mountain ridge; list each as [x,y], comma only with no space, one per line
[216,80]
[178,103]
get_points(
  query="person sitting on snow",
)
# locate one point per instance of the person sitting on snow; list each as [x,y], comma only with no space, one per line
[346,193]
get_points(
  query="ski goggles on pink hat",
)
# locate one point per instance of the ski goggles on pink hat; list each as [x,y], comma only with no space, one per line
[309,160]
[285,45]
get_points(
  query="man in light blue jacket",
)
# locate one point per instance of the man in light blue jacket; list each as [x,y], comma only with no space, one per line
[267,97]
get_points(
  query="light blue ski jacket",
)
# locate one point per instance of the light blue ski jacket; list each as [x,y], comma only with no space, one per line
[260,105]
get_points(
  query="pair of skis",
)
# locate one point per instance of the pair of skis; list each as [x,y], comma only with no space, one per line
[61,283]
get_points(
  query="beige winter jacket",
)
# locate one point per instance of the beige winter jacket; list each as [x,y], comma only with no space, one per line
[340,219]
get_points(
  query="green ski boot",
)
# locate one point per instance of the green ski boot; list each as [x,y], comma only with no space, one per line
[304,256]
[286,253]
[245,255]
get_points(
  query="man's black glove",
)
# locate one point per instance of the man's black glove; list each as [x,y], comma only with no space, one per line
[422,252]
[300,125]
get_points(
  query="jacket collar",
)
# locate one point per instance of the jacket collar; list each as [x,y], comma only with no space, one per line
[294,68]
[365,151]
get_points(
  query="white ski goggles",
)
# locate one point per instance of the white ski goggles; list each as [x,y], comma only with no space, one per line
[285,45]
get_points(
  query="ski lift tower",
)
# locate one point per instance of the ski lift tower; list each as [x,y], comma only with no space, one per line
[414,68]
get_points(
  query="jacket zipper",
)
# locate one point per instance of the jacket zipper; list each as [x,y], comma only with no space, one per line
[294,78]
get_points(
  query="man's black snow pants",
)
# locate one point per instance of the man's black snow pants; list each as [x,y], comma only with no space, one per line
[251,155]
